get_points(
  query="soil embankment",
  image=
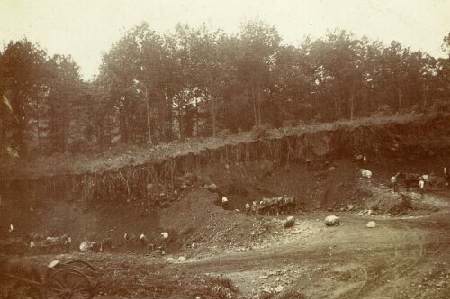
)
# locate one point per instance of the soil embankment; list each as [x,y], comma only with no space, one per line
[314,164]
[210,249]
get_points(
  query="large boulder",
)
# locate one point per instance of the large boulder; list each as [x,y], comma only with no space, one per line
[332,220]
[371,224]
[87,246]
[365,173]
[211,187]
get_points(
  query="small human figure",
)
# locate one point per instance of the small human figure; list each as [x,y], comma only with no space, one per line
[225,202]
[394,183]
[143,240]
[247,208]
[446,177]
[254,207]
[421,186]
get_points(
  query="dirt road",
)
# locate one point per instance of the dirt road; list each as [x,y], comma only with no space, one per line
[400,258]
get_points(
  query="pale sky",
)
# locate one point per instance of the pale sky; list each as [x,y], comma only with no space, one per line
[87,28]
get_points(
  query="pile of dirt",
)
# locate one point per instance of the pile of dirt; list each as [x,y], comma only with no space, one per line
[202,226]
[380,199]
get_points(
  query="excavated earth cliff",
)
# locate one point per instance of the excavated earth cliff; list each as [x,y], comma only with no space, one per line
[152,180]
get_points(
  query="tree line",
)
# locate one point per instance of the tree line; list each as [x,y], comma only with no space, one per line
[157,87]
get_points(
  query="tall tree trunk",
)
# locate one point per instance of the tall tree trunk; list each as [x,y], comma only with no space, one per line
[400,98]
[38,113]
[196,133]
[425,95]
[352,106]
[149,133]
[254,97]
[352,101]
[336,108]
[213,115]
[123,123]
[18,103]
[168,116]
[258,105]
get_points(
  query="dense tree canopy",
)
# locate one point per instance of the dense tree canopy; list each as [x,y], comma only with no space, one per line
[155,87]
[35,87]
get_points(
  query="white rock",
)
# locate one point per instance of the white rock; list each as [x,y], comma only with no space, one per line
[212,187]
[142,237]
[331,220]
[370,224]
[11,228]
[365,173]
[85,246]
[224,199]
[53,264]
[181,259]
[165,235]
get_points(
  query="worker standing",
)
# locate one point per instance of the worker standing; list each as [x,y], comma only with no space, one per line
[421,185]
[247,208]
[394,182]
[446,177]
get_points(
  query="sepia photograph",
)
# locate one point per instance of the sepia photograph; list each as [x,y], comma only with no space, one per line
[211,149]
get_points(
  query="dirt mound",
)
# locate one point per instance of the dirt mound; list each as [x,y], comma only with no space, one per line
[201,225]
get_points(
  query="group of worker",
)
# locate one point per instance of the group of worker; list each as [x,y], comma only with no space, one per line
[413,180]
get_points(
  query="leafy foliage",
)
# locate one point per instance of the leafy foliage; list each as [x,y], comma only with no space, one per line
[155,87]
